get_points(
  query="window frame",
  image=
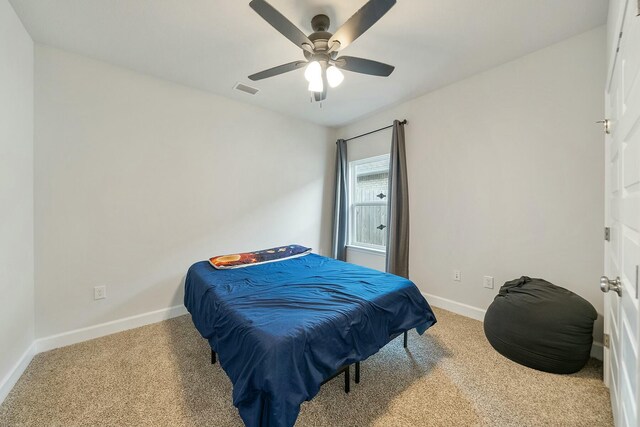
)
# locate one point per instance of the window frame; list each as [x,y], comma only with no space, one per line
[352,204]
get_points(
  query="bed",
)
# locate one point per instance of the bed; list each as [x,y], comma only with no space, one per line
[281,329]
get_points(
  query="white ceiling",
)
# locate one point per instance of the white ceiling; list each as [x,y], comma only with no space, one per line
[211,45]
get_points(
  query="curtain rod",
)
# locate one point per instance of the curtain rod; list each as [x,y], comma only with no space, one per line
[403,122]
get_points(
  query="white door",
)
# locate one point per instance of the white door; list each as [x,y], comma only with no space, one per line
[622,214]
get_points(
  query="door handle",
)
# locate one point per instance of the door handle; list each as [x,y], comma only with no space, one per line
[607,285]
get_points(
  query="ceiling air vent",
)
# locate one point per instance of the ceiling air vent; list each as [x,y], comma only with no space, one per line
[247,89]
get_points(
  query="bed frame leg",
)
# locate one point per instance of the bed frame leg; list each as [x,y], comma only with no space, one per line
[357,376]
[405,339]
[213,357]
[347,379]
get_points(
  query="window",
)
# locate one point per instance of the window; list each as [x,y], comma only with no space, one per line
[369,184]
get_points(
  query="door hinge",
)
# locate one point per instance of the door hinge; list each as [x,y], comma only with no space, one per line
[607,234]
[607,340]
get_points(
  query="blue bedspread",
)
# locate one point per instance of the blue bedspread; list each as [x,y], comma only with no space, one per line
[282,328]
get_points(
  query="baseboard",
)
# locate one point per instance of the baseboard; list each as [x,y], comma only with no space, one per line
[455,307]
[18,369]
[108,328]
[597,352]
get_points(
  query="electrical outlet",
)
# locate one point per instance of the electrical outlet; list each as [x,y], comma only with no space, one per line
[99,292]
[457,276]
[487,282]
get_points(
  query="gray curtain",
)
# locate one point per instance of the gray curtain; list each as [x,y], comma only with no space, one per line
[398,208]
[340,208]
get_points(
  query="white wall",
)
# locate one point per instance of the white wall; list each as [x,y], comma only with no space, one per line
[16,194]
[506,174]
[137,178]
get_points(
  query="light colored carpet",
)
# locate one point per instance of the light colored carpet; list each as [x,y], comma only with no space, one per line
[160,375]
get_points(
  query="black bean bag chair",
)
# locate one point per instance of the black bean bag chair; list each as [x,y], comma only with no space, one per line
[541,325]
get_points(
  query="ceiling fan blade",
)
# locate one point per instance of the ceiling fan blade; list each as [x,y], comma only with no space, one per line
[282,24]
[280,69]
[364,66]
[361,21]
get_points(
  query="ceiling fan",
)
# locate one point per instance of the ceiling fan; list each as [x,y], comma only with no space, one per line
[321,47]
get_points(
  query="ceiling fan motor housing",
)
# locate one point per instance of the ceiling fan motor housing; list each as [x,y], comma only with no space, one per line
[320,39]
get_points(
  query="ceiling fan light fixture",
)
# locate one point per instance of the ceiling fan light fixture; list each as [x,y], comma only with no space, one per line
[313,72]
[316,85]
[334,76]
